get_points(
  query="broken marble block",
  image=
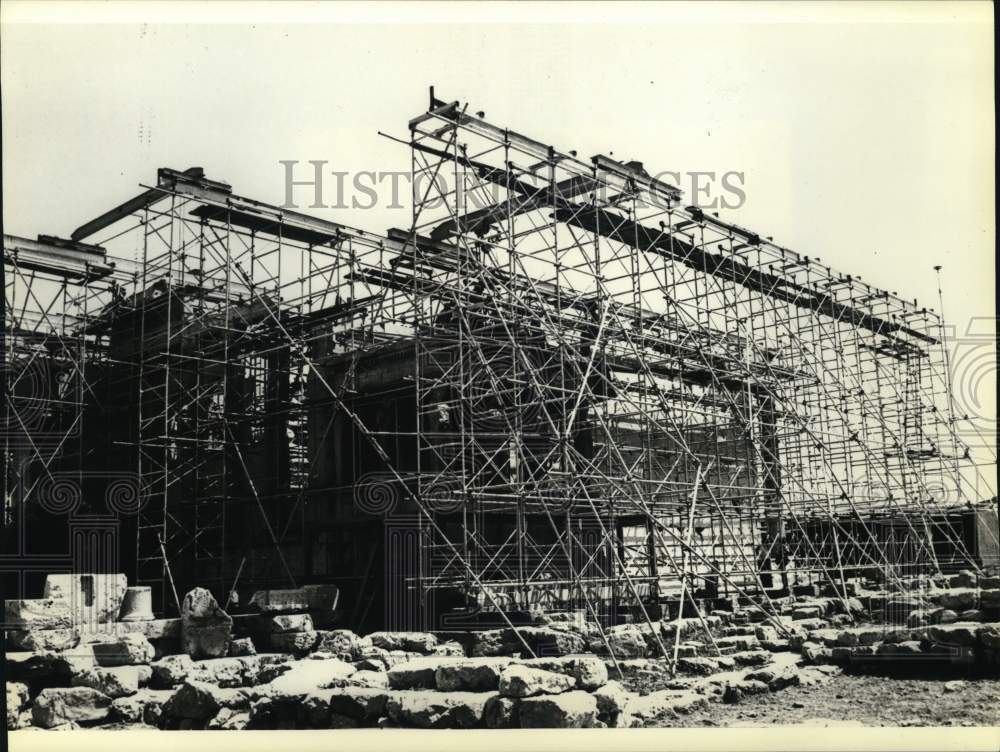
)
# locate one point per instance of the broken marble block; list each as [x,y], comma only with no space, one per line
[205,627]
[93,598]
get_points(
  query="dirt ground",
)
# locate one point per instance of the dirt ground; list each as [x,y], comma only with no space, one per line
[860,701]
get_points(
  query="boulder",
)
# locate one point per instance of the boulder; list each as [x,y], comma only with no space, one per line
[450,648]
[171,670]
[145,706]
[43,639]
[37,613]
[224,672]
[944,616]
[699,666]
[612,705]
[436,710]
[524,681]
[470,674]
[752,658]
[58,705]
[418,673]
[972,614]
[306,598]
[205,627]
[500,713]
[418,642]
[128,650]
[576,709]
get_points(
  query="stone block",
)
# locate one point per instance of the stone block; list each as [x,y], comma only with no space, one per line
[302,677]
[56,706]
[145,706]
[437,710]
[128,650]
[306,598]
[205,627]
[418,673]
[171,671]
[241,647]
[470,674]
[296,643]
[357,702]
[37,613]
[200,701]
[576,709]
[344,644]
[524,681]
[589,671]
[736,691]
[612,705]
[417,642]
[43,639]
[17,700]
[500,713]
[120,681]
[93,598]
[279,623]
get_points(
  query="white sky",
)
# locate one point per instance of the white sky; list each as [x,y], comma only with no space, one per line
[865,132]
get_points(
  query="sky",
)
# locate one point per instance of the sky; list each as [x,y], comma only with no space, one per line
[863,132]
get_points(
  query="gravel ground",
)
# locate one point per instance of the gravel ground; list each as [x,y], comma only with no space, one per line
[860,701]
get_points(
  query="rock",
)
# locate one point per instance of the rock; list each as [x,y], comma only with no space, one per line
[306,598]
[37,613]
[470,674]
[423,709]
[145,706]
[171,671]
[972,614]
[205,627]
[344,644]
[277,623]
[612,705]
[43,639]
[200,701]
[241,647]
[93,598]
[224,672]
[817,653]
[955,686]
[128,650]
[296,643]
[113,682]
[775,646]
[917,619]
[765,633]
[369,679]
[589,671]
[56,706]
[524,681]
[576,709]
[737,690]
[17,699]
[500,713]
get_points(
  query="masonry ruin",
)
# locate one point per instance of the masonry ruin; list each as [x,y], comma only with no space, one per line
[560,391]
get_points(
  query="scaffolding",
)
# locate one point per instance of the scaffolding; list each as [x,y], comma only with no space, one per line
[560,388]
